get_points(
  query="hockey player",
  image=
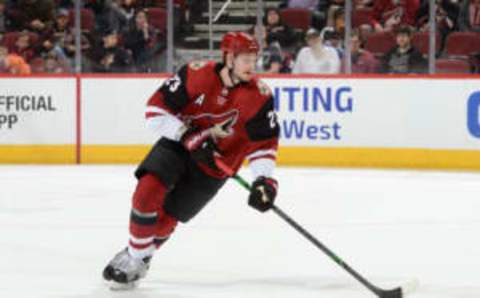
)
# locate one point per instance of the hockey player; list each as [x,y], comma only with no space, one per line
[207,111]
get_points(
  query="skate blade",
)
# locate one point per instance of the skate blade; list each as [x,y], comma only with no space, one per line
[118,287]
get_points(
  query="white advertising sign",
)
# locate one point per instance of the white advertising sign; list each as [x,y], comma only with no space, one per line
[392,113]
[113,110]
[315,112]
[37,111]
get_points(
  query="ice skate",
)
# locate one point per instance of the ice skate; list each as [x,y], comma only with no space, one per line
[123,272]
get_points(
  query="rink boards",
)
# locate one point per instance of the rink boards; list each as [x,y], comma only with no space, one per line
[401,121]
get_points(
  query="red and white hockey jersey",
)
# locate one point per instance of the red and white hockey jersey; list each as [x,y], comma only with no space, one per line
[196,96]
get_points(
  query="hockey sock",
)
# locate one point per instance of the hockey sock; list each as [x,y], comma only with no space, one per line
[149,194]
[165,226]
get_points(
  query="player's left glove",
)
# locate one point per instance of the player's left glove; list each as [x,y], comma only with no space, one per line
[201,142]
[263,193]
[201,146]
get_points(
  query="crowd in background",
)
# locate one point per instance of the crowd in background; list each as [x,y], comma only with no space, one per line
[37,36]
[397,24]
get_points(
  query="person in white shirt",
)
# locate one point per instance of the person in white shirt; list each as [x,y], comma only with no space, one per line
[316,57]
[305,4]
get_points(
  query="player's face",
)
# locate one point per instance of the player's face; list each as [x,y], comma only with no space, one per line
[244,66]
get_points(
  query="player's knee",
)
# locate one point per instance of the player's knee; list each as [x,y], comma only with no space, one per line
[149,193]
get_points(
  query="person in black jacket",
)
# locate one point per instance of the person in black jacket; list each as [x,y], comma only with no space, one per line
[404,58]
[141,40]
[110,56]
[274,31]
[446,17]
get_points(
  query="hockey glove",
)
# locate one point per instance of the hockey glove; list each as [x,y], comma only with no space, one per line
[263,193]
[201,145]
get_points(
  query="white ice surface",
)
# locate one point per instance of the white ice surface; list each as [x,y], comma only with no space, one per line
[59,225]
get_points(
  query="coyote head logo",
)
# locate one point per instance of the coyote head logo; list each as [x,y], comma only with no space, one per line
[220,124]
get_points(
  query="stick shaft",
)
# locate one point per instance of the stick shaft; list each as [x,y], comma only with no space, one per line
[316,242]
[325,249]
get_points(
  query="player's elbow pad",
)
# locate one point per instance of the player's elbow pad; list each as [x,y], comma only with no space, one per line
[167,126]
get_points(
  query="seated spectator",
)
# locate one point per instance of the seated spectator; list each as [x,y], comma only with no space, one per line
[110,56]
[316,57]
[362,60]
[469,18]
[140,40]
[63,35]
[47,38]
[332,10]
[36,15]
[275,61]
[54,63]
[332,38]
[102,13]
[62,38]
[388,15]
[23,47]
[446,16]
[112,14]
[273,64]
[274,30]
[404,58]
[122,13]
[339,21]
[13,64]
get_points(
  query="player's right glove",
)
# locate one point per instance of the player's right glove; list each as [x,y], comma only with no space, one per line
[201,145]
[263,193]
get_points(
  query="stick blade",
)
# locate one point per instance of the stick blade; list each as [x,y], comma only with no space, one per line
[401,292]
[395,293]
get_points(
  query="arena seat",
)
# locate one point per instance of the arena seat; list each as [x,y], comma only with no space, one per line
[361,16]
[157,17]
[37,65]
[87,19]
[462,44]
[446,66]
[297,18]
[421,41]
[379,43]
[10,38]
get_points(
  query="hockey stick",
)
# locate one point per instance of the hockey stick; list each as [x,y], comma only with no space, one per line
[399,292]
